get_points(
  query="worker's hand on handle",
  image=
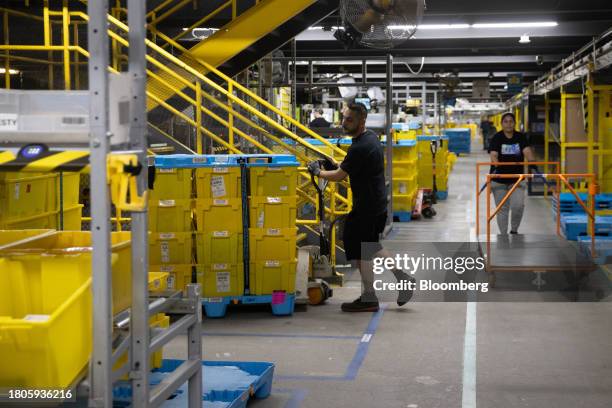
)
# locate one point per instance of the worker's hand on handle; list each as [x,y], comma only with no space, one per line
[314,168]
[329,164]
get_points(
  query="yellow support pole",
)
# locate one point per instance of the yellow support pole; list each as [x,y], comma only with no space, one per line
[66,40]
[234,9]
[77,76]
[198,115]
[47,40]
[590,124]
[230,89]
[562,133]
[46,23]
[7,65]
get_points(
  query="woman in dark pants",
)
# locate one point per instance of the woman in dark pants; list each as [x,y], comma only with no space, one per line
[509,146]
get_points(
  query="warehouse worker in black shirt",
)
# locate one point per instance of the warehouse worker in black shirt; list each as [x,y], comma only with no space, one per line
[319,121]
[364,163]
[509,146]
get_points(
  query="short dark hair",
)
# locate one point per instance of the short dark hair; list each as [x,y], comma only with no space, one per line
[320,111]
[360,109]
[508,114]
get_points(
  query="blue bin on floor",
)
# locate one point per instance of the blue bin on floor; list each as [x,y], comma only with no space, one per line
[225,384]
[217,307]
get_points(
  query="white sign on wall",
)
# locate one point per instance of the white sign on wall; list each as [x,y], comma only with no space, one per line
[8,122]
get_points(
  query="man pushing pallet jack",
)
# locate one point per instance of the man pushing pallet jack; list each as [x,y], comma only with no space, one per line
[364,163]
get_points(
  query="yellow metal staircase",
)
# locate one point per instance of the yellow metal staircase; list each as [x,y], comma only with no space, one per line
[249,123]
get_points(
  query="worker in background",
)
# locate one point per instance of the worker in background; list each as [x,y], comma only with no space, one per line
[508,145]
[364,164]
[485,127]
[319,121]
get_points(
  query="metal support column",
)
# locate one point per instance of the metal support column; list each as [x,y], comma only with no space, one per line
[388,128]
[194,348]
[139,322]
[436,113]
[546,137]
[101,395]
[423,107]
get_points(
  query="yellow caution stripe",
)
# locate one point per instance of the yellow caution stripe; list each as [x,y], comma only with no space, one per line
[67,160]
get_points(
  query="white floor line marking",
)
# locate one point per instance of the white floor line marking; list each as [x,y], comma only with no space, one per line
[366,338]
[469,358]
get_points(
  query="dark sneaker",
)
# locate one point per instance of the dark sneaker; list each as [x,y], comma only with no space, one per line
[360,306]
[514,232]
[405,295]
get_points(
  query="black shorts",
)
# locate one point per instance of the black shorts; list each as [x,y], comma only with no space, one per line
[359,229]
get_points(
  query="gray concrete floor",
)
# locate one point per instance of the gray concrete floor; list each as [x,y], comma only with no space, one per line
[531,354]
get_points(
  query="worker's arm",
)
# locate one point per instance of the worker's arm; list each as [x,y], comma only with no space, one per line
[333,175]
[494,156]
[528,153]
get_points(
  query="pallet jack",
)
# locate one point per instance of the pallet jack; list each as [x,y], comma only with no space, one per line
[318,289]
[426,197]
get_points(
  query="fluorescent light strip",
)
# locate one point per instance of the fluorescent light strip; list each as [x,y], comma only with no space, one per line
[541,24]
[442,26]
[11,71]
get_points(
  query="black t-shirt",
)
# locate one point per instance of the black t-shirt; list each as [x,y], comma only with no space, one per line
[509,150]
[319,123]
[364,163]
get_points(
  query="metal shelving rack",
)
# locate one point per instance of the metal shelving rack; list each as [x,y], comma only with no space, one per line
[138,342]
[128,332]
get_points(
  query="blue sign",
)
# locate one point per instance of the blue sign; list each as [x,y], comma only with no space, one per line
[515,83]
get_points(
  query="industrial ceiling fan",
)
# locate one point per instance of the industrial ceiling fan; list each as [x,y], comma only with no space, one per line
[379,24]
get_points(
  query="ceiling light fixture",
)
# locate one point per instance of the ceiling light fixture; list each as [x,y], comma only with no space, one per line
[11,71]
[442,26]
[540,24]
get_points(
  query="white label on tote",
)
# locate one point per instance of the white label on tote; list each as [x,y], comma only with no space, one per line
[165,252]
[220,202]
[220,170]
[171,280]
[283,188]
[167,203]
[274,200]
[167,170]
[223,282]
[221,158]
[220,234]
[402,188]
[166,235]
[272,264]
[217,185]
[260,220]
[166,268]
[17,190]
[274,231]
[220,267]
